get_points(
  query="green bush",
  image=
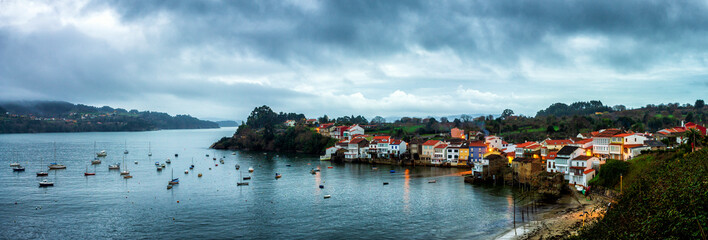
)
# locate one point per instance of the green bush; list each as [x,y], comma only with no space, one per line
[609,174]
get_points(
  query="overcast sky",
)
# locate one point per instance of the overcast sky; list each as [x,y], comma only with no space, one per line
[220,59]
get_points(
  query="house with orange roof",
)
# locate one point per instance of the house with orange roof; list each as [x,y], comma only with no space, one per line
[551,162]
[601,142]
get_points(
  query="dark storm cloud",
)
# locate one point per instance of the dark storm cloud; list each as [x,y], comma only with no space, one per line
[269,52]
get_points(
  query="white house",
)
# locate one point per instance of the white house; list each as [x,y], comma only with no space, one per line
[563,157]
[452,155]
[601,142]
[578,166]
[439,154]
[290,123]
[397,147]
[329,152]
[353,130]
[494,142]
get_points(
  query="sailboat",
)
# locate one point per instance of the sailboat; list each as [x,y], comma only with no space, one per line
[192,166]
[149,150]
[86,173]
[114,166]
[168,161]
[241,183]
[14,164]
[46,183]
[42,173]
[126,147]
[174,180]
[102,153]
[125,171]
[55,165]
[250,169]
[95,160]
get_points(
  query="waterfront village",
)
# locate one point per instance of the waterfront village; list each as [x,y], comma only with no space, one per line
[578,158]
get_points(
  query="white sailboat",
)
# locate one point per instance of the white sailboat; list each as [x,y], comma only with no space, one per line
[126,147]
[55,165]
[95,160]
[125,171]
[149,150]
[42,173]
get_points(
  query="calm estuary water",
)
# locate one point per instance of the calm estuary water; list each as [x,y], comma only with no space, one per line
[292,207]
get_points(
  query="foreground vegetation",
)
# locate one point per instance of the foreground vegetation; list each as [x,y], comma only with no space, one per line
[665,197]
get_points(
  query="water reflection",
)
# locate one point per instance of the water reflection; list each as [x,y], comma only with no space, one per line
[406,191]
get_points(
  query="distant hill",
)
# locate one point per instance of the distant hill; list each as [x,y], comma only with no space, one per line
[227,123]
[59,116]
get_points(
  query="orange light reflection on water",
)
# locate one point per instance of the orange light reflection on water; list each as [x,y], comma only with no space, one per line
[406,191]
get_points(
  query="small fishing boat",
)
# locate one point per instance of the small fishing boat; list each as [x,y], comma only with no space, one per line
[162,165]
[321,186]
[87,173]
[288,165]
[327,196]
[216,165]
[242,183]
[238,166]
[14,164]
[192,166]
[127,177]
[385,183]
[186,171]
[176,155]
[432,181]
[114,166]
[207,155]
[157,163]
[221,161]
[277,175]
[374,168]
[18,169]
[159,169]
[330,167]
[233,153]
[392,171]
[247,178]
[168,161]
[313,172]
[136,162]
[149,150]
[169,186]
[213,159]
[250,169]
[56,166]
[199,175]
[46,183]
[102,153]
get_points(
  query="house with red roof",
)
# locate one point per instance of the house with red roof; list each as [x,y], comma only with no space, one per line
[379,146]
[429,148]
[439,154]
[477,150]
[555,145]
[352,130]
[578,167]
[325,129]
[397,147]
[357,148]
[494,142]
[527,147]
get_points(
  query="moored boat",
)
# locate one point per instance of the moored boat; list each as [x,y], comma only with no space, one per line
[18,169]
[250,169]
[56,166]
[114,166]
[277,175]
[46,183]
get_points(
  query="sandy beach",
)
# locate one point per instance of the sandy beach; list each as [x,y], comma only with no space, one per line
[559,220]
